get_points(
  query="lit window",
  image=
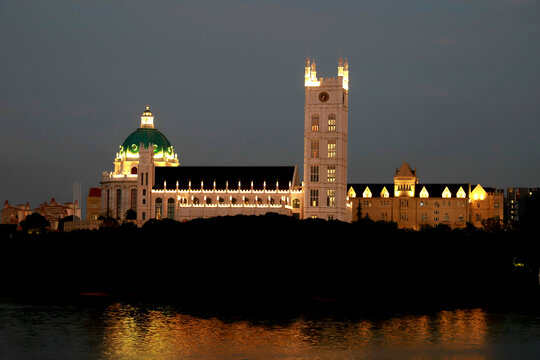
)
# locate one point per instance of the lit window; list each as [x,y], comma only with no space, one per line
[314,149]
[315,122]
[296,203]
[159,208]
[314,197]
[331,173]
[446,193]
[331,148]
[196,201]
[332,122]
[331,198]
[314,174]
[170,208]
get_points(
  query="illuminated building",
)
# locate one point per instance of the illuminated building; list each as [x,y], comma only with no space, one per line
[412,204]
[147,177]
[521,205]
[52,211]
[325,144]
[14,214]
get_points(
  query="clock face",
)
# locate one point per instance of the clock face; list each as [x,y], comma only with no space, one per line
[323,97]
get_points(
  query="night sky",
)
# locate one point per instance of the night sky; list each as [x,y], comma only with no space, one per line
[452,87]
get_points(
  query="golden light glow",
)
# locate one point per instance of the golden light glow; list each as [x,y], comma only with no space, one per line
[446,193]
[367,193]
[310,77]
[461,193]
[424,193]
[147,120]
[343,71]
[132,332]
[478,193]
[385,193]
[352,193]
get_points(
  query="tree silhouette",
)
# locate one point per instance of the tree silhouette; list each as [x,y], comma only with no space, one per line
[35,223]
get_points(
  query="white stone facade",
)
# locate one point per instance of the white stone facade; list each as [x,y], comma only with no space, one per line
[132,184]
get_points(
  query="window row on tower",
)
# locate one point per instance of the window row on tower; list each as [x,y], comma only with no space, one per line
[330,147]
[331,122]
[330,198]
[330,173]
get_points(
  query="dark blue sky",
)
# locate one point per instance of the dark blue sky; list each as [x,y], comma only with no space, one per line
[453,87]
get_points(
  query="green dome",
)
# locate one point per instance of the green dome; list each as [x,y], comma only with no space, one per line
[162,146]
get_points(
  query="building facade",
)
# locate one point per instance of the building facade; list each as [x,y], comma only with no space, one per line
[521,205]
[325,143]
[93,203]
[147,177]
[414,205]
[14,214]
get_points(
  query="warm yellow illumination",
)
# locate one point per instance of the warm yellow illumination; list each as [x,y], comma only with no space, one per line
[446,193]
[343,71]
[478,193]
[461,193]
[367,193]
[385,193]
[351,193]
[311,74]
[147,120]
[424,193]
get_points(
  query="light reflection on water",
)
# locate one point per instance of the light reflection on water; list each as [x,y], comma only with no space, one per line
[138,333]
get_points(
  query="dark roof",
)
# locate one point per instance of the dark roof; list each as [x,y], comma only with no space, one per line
[222,174]
[434,190]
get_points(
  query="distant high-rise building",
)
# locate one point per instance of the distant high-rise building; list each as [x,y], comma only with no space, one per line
[521,205]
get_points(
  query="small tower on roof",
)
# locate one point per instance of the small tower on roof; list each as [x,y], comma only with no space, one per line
[405,181]
[147,119]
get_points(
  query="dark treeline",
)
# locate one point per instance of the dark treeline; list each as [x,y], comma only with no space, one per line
[277,259]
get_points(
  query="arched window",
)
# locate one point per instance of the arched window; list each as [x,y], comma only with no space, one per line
[296,203]
[221,200]
[183,201]
[170,208]
[259,201]
[332,122]
[159,208]
[134,170]
[233,201]
[246,201]
[208,201]
[196,201]
[315,122]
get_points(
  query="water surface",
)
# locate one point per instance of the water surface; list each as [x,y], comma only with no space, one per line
[121,330]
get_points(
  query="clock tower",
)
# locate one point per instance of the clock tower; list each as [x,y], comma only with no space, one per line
[325,144]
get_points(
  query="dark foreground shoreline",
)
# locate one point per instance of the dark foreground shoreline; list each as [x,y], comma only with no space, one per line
[277,263]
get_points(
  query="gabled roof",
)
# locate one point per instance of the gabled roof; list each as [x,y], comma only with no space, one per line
[405,170]
[375,189]
[434,190]
[223,174]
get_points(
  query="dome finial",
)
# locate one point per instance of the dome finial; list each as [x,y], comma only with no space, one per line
[147,119]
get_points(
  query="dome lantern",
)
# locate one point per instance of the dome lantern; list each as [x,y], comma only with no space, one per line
[147,120]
